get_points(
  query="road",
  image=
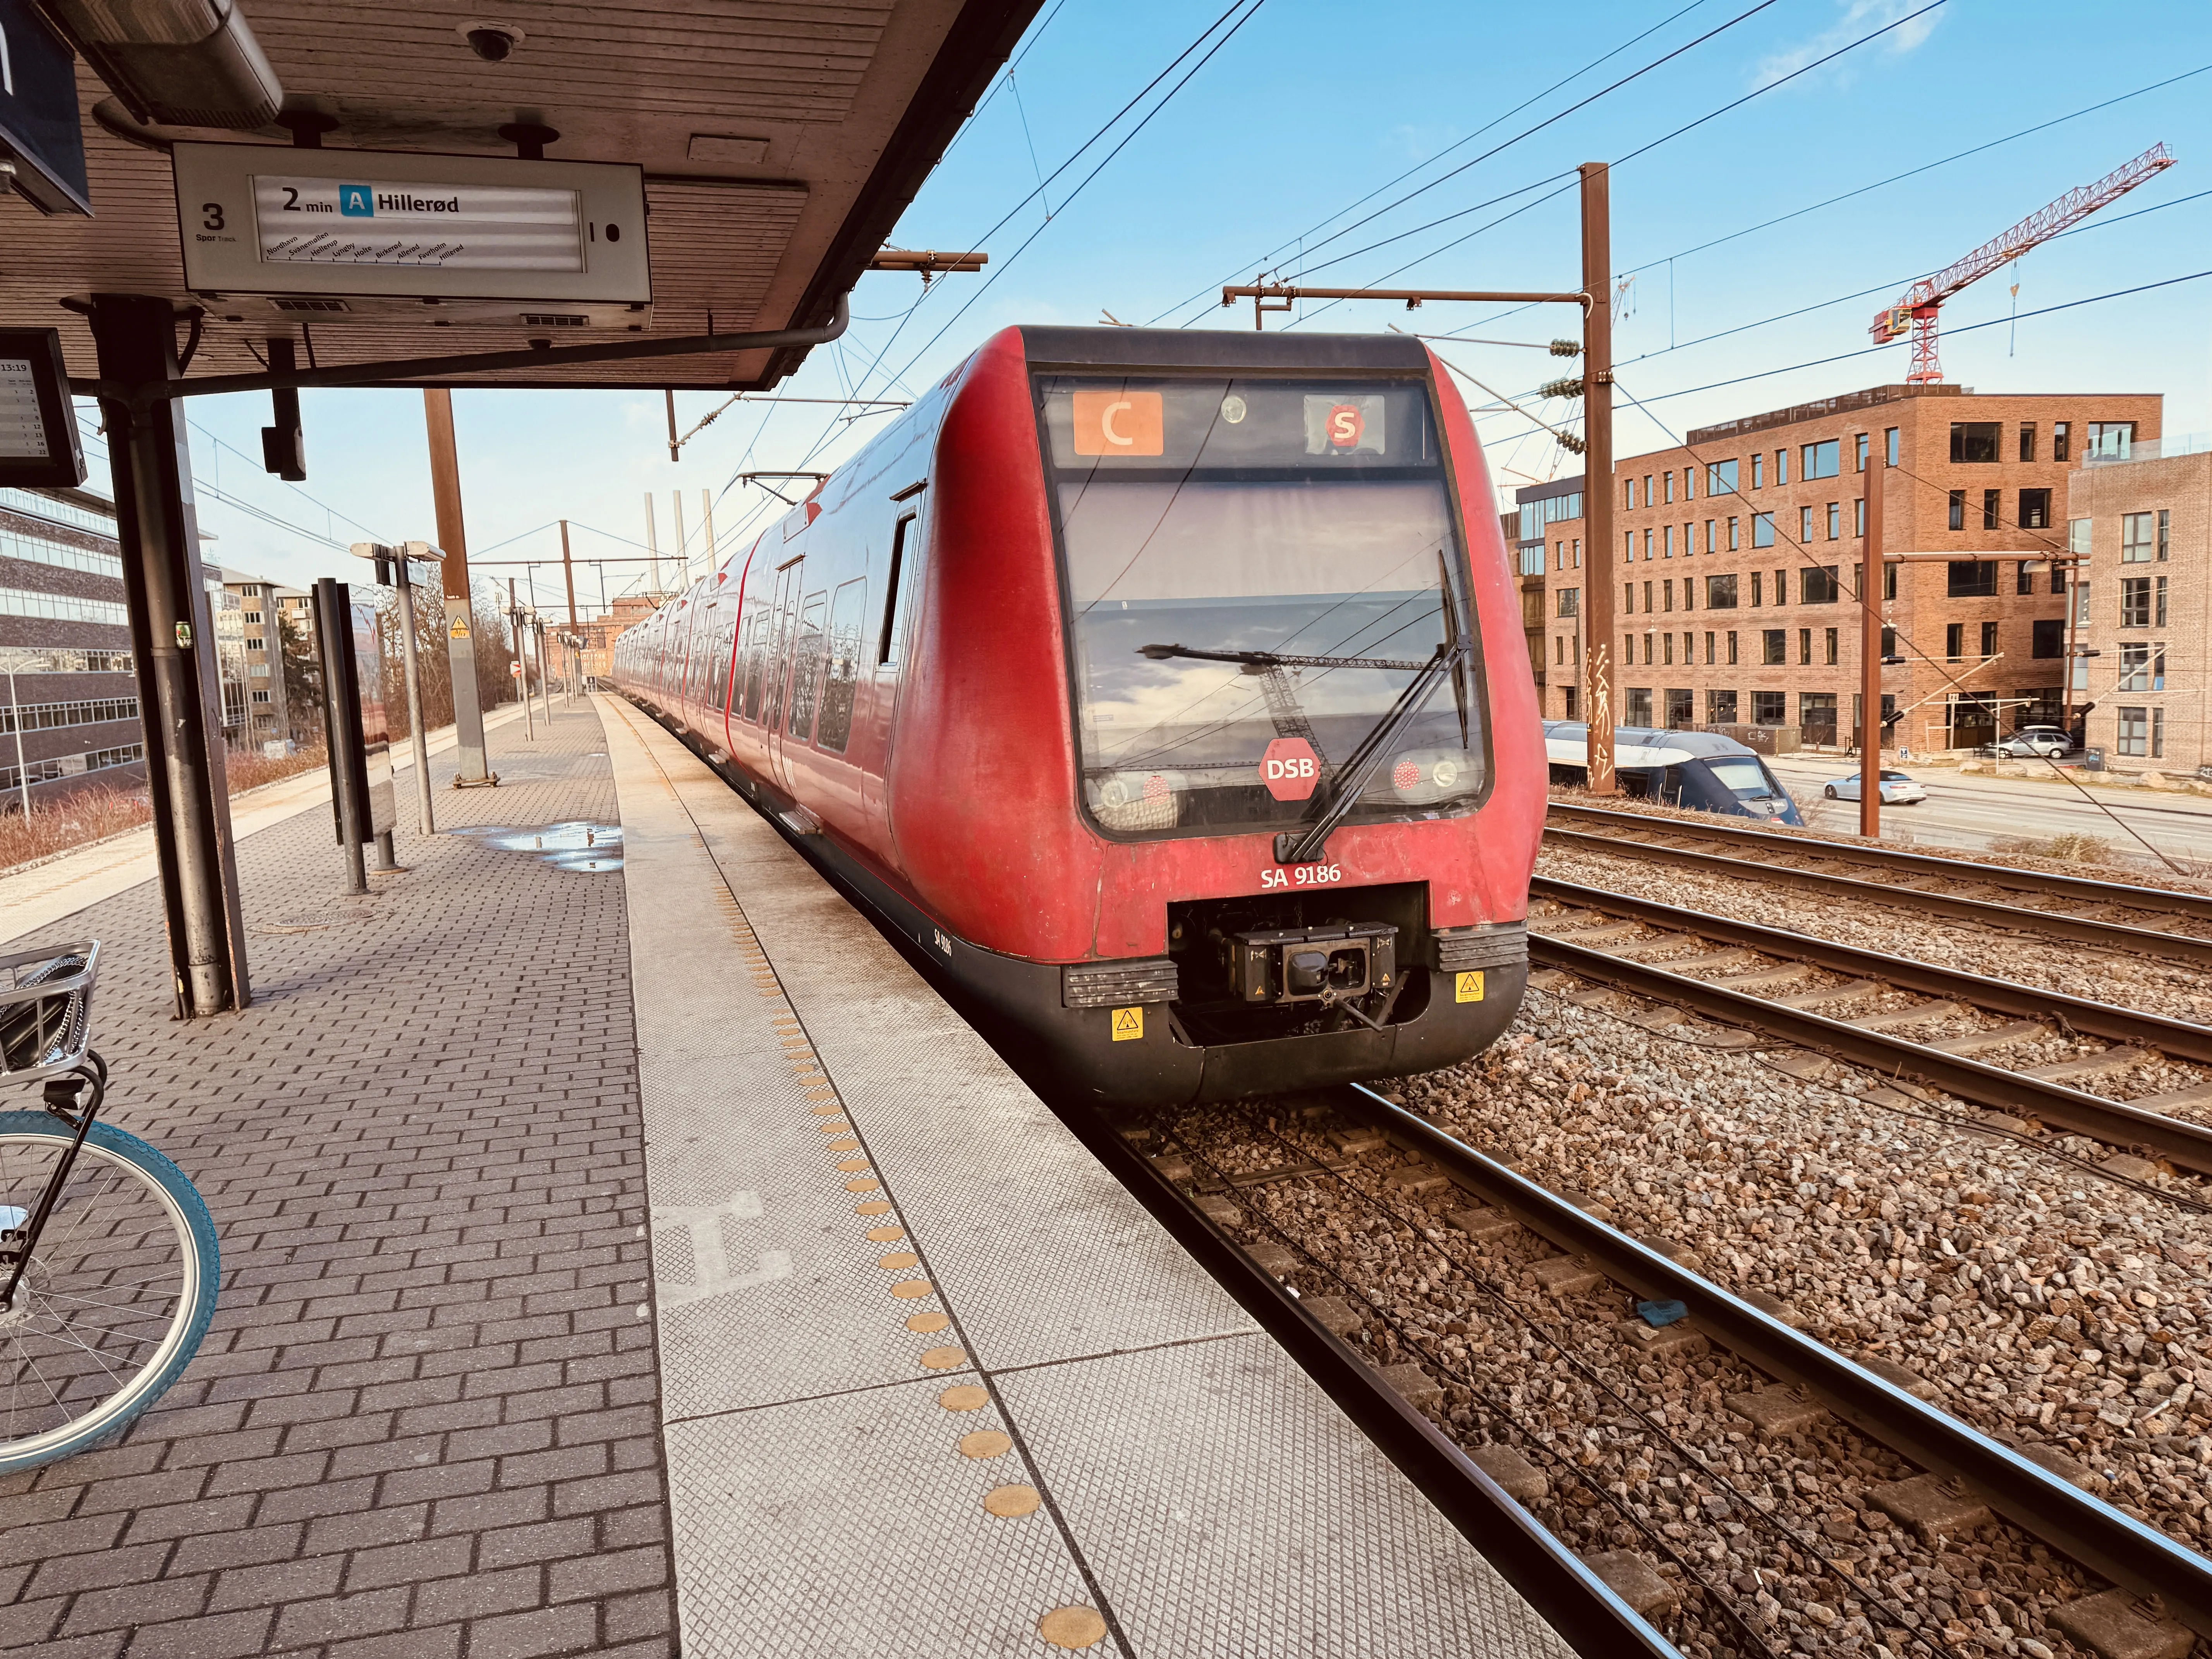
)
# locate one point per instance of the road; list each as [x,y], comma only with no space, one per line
[1972,812]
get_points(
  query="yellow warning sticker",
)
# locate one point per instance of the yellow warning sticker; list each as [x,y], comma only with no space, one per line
[1468,988]
[460,629]
[1128,1024]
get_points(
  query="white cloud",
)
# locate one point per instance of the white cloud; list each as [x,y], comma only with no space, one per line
[1859,16]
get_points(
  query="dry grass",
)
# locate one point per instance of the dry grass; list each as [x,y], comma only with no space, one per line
[2075,848]
[97,812]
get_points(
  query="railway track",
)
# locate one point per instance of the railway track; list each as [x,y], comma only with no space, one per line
[1896,1016]
[1454,1203]
[2154,921]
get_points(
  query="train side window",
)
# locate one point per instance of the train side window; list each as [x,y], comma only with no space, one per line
[806,667]
[755,658]
[894,594]
[847,626]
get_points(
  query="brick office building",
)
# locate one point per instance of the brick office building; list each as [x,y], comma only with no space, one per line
[2143,603]
[68,696]
[1739,552]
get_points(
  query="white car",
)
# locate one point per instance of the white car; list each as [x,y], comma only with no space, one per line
[1898,789]
[2031,741]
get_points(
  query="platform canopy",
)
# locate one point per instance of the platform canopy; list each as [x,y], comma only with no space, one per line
[779,141]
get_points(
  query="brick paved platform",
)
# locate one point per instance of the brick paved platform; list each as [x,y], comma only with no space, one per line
[426,1421]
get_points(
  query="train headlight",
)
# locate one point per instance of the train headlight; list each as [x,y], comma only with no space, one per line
[1444,773]
[1425,776]
[1139,800]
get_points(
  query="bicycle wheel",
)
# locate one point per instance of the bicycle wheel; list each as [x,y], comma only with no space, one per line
[118,1294]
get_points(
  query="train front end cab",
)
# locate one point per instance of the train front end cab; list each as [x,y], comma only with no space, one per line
[1316,817]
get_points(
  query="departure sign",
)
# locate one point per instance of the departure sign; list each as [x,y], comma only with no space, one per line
[435,226]
[371,227]
[39,442]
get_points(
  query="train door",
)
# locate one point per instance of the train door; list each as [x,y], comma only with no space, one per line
[802,697]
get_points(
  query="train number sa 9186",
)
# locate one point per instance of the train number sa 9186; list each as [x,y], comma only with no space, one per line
[1301,875]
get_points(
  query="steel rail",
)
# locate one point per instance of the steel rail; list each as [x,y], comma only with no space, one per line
[2119,936]
[2173,1036]
[2135,1556]
[2072,1110]
[1565,1593]
[2197,906]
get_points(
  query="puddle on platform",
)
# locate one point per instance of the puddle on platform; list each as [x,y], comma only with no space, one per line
[583,848]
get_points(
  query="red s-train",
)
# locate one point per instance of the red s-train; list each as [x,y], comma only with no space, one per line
[1144,679]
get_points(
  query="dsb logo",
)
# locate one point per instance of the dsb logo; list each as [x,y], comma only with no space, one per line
[1290,769]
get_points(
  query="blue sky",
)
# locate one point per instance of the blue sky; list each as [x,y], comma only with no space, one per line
[1311,108]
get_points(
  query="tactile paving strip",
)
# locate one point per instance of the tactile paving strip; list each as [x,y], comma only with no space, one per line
[1168,1501]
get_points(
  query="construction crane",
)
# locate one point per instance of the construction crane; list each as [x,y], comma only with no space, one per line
[1916,313]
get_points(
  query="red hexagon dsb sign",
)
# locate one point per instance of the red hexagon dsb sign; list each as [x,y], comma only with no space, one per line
[1290,769]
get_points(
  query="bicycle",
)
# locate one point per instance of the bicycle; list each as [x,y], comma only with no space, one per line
[108,1264]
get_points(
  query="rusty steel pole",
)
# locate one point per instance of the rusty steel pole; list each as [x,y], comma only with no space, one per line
[1597,475]
[569,573]
[1871,584]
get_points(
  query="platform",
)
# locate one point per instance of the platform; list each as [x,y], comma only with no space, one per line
[447,1408]
[933,1382]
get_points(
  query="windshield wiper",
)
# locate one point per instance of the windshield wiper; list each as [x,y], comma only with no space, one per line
[1304,847]
[1259,662]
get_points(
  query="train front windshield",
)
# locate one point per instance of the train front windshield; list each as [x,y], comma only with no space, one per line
[1217,531]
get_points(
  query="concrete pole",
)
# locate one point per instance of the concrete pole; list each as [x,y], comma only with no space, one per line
[652,542]
[420,744]
[1597,475]
[545,670]
[474,769]
[1870,592]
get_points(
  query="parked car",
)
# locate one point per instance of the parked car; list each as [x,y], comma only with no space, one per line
[1898,789]
[2031,741]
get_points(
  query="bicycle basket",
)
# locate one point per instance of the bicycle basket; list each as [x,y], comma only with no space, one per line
[46,1011]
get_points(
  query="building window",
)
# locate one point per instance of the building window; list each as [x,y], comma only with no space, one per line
[2059,439]
[1758,587]
[1720,478]
[2160,617]
[1668,643]
[1628,594]
[1689,484]
[1774,646]
[1990,500]
[1988,639]
[1733,542]
[1667,538]
[1889,443]
[1835,521]
[1577,550]
[254,618]
[2034,509]
[1820,461]
[1628,488]
[1712,545]
[1782,467]
[1817,585]
[2023,580]
[2164,519]
[1639,706]
[254,642]
[1628,541]
[1955,640]
[1973,442]
[2138,538]
[2142,667]
[1570,601]
[1889,641]
[1731,645]
[1720,709]
[2134,602]
[2027,440]
[1762,530]
[1816,716]
[2110,441]
[2135,731]
[1647,547]
[1804,526]
[1647,598]
[1859,447]
[2157,733]
[1667,492]
[1650,500]
[1805,648]
[1888,580]
[1829,647]
[261,697]
[2048,638]
[1957,520]
[1667,595]
[1858,517]
[1768,708]
[1710,643]
[252,590]
[1720,592]
[1574,703]
[1758,470]
[1973,579]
